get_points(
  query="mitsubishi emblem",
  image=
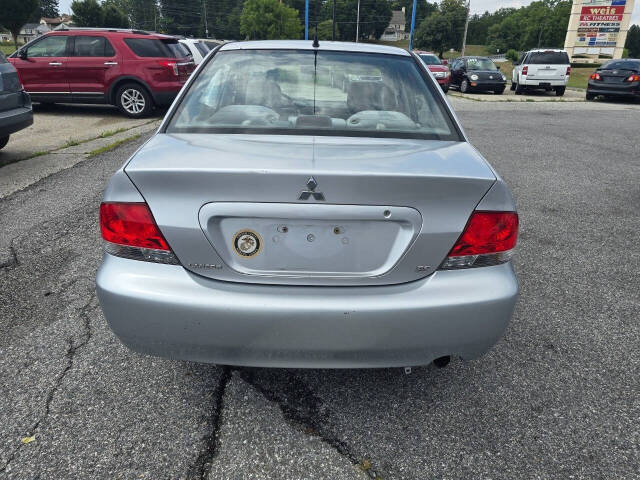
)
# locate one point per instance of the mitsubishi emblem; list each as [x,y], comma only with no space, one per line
[311,190]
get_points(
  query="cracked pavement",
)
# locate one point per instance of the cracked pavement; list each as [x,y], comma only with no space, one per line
[558,397]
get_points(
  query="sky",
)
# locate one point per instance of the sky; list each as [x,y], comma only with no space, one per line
[477,6]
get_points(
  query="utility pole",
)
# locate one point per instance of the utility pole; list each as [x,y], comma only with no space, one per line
[466,26]
[306,19]
[206,26]
[333,24]
[413,23]
[358,23]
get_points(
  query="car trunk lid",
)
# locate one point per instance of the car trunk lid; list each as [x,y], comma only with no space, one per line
[310,210]
[615,76]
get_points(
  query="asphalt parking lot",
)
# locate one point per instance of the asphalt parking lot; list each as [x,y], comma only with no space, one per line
[557,397]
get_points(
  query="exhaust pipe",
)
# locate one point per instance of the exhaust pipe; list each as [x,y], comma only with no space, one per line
[442,362]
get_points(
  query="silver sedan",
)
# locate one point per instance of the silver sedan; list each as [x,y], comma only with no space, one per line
[308,205]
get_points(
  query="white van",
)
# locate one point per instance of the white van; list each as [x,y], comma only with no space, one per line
[197,49]
[547,69]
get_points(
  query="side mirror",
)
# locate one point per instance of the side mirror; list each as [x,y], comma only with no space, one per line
[498,67]
[22,53]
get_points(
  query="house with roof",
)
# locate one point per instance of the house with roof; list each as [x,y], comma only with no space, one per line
[397,27]
[57,23]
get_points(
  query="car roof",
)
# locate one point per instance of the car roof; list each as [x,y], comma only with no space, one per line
[110,32]
[308,45]
[547,50]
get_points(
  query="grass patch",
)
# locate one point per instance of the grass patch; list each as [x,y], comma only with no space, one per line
[111,146]
[7,49]
[71,143]
[111,133]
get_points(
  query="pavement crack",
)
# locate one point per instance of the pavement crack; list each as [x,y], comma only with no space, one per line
[72,348]
[202,466]
[300,406]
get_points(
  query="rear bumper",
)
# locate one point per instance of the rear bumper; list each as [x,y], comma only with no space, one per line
[14,120]
[541,82]
[600,88]
[165,310]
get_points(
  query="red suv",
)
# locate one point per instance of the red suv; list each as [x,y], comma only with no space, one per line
[437,67]
[132,69]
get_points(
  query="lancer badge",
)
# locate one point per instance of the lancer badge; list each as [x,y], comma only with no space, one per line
[311,190]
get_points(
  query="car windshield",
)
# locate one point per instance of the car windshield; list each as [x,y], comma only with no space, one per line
[622,65]
[480,64]
[430,59]
[328,93]
[548,58]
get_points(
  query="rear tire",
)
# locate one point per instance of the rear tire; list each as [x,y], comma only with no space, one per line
[499,91]
[590,96]
[560,91]
[513,86]
[519,89]
[464,86]
[134,101]
[4,141]
[445,89]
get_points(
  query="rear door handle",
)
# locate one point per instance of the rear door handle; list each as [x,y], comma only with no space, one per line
[110,63]
[56,64]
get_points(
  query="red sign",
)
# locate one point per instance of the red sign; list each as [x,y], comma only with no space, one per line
[601,18]
[605,10]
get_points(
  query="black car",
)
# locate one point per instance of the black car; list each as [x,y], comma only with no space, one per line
[617,78]
[15,104]
[477,74]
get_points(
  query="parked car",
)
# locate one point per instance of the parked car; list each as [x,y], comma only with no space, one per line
[15,104]
[211,43]
[547,69]
[477,74]
[131,69]
[197,48]
[617,78]
[274,220]
[439,69]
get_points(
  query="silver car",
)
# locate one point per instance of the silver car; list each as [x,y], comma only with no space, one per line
[309,206]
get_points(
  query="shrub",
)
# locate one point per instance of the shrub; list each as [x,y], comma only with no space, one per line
[512,55]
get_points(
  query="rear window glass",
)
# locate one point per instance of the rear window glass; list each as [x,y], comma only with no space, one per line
[92,47]
[430,59]
[202,48]
[313,93]
[622,65]
[151,47]
[548,58]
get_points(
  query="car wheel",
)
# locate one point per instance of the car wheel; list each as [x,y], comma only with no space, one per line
[590,96]
[464,86]
[133,100]
[513,86]
[445,89]
[4,141]
[560,91]
[499,91]
[519,89]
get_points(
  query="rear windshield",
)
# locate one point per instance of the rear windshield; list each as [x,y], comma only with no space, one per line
[151,47]
[202,48]
[622,65]
[480,64]
[303,92]
[548,58]
[430,59]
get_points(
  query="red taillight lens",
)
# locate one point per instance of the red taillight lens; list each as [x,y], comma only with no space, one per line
[633,78]
[487,232]
[525,69]
[595,76]
[172,66]
[568,71]
[131,224]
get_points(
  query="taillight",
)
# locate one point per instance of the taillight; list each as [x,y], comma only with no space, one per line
[129,230]
[172,66]
[633,78]
[488,239]
[595,76]
[568,71]
[525,69]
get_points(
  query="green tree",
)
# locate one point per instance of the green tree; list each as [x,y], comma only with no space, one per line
[433,34]
[15,13]
[633,41]
[183,17]
[49,8]
[373,20]
[86,13]
[324,31]
[269,20]
[112,16]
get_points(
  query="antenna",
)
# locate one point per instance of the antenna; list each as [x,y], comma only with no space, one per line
[315,38]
